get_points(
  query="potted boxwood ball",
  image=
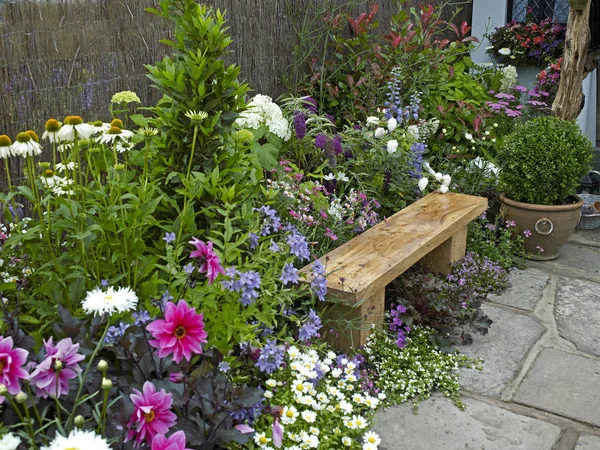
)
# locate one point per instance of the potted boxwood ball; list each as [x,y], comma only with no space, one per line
[541,164]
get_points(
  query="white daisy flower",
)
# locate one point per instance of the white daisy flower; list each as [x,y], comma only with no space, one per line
[311,441]
[309,416]
[345,406]
[271,383]
[268,394]
[331,355]
[369,446]
[335,373]
[371,438]
[289,415]
[381,396]
[261,439]
[124,146]
[504,51]
[112,134]
[371,402]
[74,126]
[9,442]
[293,351]
[360,421]
[346,441]
[100,127]
[78,439]
[468,136]
[100,302]
[25,146]
[314,430]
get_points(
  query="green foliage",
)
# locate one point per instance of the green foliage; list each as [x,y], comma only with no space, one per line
[495,241]
[415,371]
[195,79]
[543,161]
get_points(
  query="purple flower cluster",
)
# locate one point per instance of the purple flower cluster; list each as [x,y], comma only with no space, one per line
[289,274]
[141,318]
[298,243]
[519,103]
[115,332]
[321,141]
[318,285]
[394,107]
[247,283]
[310,328]
[253,238]
[479,273]
[310,104]
[336,144]
[247,415]
[416,159]
[300,124]
[271,223]
[271,357]
[398,326]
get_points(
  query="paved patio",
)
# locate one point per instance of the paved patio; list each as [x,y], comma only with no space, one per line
[540,385]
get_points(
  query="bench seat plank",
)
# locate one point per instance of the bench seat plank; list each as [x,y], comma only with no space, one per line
[364,265]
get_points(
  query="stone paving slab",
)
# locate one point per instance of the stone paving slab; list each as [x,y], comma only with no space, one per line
[563,383]
[586,237]
[504,347]
[440,425]
[526,287]
[577,312]
[588,443]
[575,260]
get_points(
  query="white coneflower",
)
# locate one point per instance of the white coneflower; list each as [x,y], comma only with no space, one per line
[114,133]
[196,116]
[78,439]
[50,180]
[25,145]
[60,167]
[52,128]
[74,126]
[100,302]
[100,127]
[5,146]
[9,442]
[124,146]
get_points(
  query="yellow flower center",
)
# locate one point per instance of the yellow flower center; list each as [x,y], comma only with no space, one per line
[149,416]
[52,125]
[97,123]
[114,130]
[371,439]
[180,332]
[73,120]
[117,123]
[33,135]
[23,137]
[108,298]
[49,173]
[5,141]
[289,414]
[263,440]
[72,448]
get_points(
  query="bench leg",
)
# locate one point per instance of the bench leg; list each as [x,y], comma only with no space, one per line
[442,258]
[344,336]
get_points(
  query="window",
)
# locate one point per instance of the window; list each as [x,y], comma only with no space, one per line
[557,10]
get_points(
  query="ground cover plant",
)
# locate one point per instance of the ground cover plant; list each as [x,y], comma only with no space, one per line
[149,276]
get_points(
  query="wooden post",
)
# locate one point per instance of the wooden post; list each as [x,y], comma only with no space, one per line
[347,326]
[569,98]
[441,259]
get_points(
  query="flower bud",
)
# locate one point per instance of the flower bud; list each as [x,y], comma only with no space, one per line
[3,390]
[176,377]
[106,384]
[102,366]
[58,364]
[79,421]
[21,397]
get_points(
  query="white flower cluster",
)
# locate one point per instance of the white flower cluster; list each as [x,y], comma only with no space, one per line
[443,180]
[509,78]
[262,111]
[322,404]
[58,185]
[12,268]
[112,300]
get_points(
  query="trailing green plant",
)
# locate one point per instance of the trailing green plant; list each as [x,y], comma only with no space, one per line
[201,94]
[543,161]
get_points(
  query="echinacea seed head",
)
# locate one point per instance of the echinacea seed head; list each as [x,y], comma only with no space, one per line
[23,137]
[97,123]
[52,125]
[114,130]
[5,141]
[73,120]
[48,173]
[33,135]
[117,123]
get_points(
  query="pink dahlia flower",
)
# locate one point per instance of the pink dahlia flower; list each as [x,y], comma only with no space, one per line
[45,378]
[210,264]
[11,362]
[152,414]
[181,332]
[175,442]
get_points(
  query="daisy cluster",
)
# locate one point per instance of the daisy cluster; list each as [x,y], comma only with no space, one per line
[262,111]
[320,403]
[416,370]
[13,267]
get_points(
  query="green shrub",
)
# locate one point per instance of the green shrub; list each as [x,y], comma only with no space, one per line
[543,161]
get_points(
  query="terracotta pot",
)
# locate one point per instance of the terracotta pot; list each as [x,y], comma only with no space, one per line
[550,225]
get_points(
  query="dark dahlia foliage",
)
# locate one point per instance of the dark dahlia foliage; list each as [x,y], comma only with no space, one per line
[543,161]
[452,309]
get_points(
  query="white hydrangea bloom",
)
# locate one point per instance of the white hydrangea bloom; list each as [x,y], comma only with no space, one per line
[509,78]
[262,111]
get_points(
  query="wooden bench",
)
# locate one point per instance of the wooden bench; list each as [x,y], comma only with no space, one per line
[431,231]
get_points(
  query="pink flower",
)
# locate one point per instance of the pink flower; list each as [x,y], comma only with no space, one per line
[51,376]
[181,332]
[11,360]
[175,442]
[209,261]
[152,415]
[330,234]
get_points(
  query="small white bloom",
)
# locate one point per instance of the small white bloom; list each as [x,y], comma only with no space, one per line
[423,183]
[346,406]
[289,415]
[414,132]
[487,133]
[328,177]
[369,446]
[392,124]
[99,302]
[271,383]
[9,442]
[346,441]
[438,176]
[371,438]
[381,396]
[309,416]
[446,179]
[443,189]
[392,146]
[379,132]
[341,176]
[444,130]
[468,136]
[79,439]
[60,167]
[68,132]
[261,439]
[372,120]
[504,51]
[268,394]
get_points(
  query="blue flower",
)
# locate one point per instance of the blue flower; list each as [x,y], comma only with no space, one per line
[298,245]
[169,237]
[271,357]
[289,274]
[224,367]
[141,318]
[318,285]
[310,328]
[274,247]
[253,240]
[114,333]
[188,268]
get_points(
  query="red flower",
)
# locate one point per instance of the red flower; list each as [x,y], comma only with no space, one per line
[181,332]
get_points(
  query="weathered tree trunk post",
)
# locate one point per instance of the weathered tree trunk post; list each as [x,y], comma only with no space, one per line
[569,98]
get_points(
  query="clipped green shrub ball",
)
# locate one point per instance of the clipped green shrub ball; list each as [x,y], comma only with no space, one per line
[543,161]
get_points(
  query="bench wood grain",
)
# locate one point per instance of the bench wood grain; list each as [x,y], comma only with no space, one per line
[432,231]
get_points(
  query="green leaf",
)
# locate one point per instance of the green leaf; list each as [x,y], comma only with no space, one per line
[268,155]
